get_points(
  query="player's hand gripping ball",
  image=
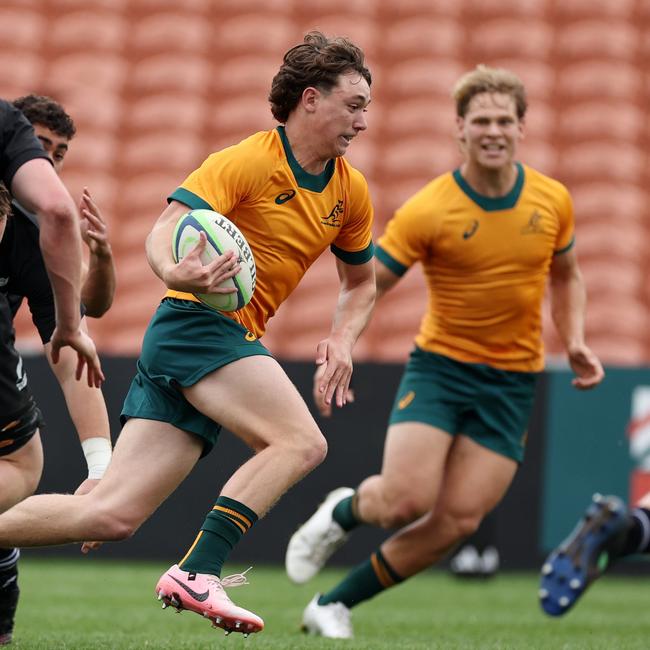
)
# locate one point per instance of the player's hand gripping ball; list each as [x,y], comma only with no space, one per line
[222,235]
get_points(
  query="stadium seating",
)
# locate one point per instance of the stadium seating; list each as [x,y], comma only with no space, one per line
[155,86]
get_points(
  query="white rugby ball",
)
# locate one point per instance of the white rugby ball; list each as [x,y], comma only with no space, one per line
[222,236]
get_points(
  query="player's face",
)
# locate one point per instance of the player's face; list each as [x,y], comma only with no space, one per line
[340,115]
[56,146]
[490,130]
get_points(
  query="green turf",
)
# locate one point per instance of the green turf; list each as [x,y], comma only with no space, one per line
[89,603]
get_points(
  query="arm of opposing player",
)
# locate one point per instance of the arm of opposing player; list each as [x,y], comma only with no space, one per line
[189,275]
[99,280]
[88,413]
[568,306]
[39,189]
[334,354]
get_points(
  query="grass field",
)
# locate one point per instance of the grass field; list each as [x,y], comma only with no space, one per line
[90,603]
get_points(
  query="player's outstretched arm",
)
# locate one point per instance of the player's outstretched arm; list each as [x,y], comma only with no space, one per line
[39,189]
[334,354]
[88,413]
[189,275]
[568,306]
[98,288]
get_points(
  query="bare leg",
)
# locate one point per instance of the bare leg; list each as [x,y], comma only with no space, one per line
[254,398]
[150,460]
[20,473]
[475,481]
[412,471]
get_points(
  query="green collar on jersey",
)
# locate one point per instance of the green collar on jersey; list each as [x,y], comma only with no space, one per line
[313,182]
[489,203]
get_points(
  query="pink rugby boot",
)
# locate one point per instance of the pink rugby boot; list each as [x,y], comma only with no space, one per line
[205,595]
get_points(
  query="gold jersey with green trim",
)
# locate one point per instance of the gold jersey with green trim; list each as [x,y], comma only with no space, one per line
[486,261]
[288,216]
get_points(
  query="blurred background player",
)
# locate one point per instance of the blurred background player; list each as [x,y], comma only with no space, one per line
[293,195]
[24,169]
[488,235]
[23,275]
[607,532]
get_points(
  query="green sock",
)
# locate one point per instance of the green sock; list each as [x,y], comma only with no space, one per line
[363,582]
[223,527]
[343,514]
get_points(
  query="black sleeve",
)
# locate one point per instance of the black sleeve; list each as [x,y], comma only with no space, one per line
[18,144]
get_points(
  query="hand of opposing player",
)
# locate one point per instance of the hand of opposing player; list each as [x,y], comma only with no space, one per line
[332,376]
[86,354]
[94,231]
[586,366]
[191,275]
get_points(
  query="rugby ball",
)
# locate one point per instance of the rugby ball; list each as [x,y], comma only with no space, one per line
[222,236]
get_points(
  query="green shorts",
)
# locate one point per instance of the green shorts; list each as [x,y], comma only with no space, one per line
[489,405]
[184,342]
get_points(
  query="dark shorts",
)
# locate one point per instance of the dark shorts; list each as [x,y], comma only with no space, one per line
[184,342]
[19,417]
[489,405]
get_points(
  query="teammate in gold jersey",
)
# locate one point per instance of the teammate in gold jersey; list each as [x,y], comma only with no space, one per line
[488,235]
[292,195]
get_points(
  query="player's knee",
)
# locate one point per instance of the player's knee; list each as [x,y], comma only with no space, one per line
[401,511]
[314,451]
[460,524]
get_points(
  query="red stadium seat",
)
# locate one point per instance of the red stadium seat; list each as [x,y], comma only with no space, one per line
[618,119]
[540,155]
[601,79]
[606,160]
[361,30]
[89,71]
[181,151]
[88,30]
[181,31]
[245,74]
[610,239]
[538,76]
[610,199]
[93,150]
[242,114]
[389,10]
[605,38]
[20,28]
[420,76]
[99,109]
[590,8]
[20,72]
[525,8]
[429,155]
[424,35]
[158,73]
[177,111]
[413,117]
[618,350]
[268,33]
[512,37]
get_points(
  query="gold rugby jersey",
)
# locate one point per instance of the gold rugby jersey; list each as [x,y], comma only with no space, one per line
[486,261]
[288,216]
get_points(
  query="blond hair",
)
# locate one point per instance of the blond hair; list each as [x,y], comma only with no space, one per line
[484,79]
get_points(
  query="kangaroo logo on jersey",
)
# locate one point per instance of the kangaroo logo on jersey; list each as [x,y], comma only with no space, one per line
[534,225]
[333,219]
[472,227]
[249,336]
[285,196]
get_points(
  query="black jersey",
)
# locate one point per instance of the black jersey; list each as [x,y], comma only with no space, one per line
[23,273]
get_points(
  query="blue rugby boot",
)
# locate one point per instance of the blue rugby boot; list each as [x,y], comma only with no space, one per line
[584,555]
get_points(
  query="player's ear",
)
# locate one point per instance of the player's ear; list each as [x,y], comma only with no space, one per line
[460,129]
[310,97]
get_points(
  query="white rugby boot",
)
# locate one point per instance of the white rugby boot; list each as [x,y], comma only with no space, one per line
[331,621]
[316,540]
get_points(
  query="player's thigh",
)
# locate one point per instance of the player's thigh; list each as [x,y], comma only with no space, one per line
[414,460]
[254,398]
[150,460]
[476,479]
[20,472]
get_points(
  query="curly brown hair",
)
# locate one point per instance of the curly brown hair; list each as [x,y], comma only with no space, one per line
[39,109]
[5,202]
[317,62]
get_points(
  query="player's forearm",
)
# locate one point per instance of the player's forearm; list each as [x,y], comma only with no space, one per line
[353,311]
[85,405]
[568,307]
[60,243]
[99,287]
